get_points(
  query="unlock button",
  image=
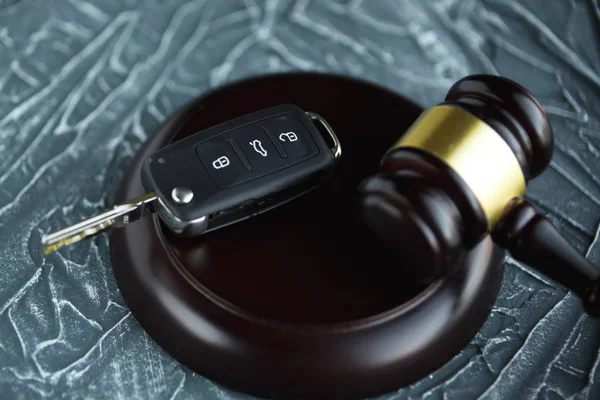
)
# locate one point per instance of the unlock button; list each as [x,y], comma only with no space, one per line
[292,136]
[221,162]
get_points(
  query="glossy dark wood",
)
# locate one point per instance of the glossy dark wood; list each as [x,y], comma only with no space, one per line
[521,121]
[427,201]
[531,238]
[418,199]
[416,196]
[513,112]
[301,302]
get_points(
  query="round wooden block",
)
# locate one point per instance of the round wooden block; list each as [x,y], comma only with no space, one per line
[299,302]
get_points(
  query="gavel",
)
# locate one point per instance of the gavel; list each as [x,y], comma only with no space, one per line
[459,173]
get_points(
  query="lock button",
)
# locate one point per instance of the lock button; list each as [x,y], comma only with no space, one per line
[292,135]
[221,162]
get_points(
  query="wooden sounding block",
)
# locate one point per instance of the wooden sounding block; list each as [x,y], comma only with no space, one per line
[300,302]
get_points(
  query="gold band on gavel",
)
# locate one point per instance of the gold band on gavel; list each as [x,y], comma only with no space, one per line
[474,151]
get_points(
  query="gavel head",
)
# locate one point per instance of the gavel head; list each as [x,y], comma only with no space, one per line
[447,181]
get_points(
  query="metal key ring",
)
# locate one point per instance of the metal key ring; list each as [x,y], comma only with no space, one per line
[337,148]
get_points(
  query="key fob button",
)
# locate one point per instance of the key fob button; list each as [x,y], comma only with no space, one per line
[293,136]
[258,149]
[221,162]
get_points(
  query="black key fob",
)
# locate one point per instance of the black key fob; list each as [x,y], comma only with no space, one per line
[240,168]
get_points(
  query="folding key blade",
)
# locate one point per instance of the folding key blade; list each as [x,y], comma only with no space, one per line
[119,216]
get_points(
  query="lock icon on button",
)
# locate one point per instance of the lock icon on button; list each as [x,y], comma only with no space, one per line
[220,162]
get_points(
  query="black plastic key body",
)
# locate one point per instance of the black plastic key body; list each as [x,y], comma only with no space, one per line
[238,169]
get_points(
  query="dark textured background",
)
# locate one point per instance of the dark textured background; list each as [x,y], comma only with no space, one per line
[84,83]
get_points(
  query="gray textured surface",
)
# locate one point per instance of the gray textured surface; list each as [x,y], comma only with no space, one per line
[83,84]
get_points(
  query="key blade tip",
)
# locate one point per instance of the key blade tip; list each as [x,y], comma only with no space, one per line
[120,215]
[49,249]
[50,246]
[47,245]
[57,240]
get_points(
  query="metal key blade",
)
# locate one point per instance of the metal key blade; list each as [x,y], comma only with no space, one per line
[119,216]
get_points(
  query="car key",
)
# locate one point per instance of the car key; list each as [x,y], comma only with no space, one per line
[224,174]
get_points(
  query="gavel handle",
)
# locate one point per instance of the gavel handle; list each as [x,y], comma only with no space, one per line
[531,238]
